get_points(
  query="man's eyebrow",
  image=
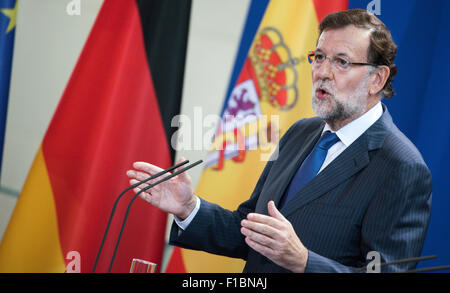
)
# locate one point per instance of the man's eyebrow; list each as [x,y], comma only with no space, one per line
[338,54]
[342,55]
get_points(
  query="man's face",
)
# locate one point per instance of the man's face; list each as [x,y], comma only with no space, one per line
[338,95]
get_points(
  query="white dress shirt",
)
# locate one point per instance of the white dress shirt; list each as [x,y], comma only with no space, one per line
[347,135]
[350,132]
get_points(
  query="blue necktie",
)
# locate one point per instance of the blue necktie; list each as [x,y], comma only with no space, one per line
[311,165]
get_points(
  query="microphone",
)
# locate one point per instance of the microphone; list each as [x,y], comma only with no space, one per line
[405,260]
[117,201]
[136,195]
[426,270]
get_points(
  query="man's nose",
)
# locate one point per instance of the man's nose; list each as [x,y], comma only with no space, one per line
[322,71]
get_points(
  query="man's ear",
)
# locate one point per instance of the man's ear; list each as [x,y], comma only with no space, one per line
[378,79]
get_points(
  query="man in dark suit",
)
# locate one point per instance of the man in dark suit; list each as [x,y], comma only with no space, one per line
[344,184]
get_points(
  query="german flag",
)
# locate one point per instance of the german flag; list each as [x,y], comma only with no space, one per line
[115,110]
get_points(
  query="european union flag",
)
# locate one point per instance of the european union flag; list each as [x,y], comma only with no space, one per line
[8,13]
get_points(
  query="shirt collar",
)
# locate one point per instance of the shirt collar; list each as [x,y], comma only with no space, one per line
[350,132]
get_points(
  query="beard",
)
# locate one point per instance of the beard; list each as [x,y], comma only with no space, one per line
[337,108]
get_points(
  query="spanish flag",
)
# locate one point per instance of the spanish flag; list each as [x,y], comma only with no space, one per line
[108,117]
[272,92]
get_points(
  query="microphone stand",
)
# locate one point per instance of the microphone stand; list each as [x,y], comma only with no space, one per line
[416,259]
[117,201]
[137,194]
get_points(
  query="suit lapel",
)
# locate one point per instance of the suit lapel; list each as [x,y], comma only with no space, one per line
[348,163]
[294,162]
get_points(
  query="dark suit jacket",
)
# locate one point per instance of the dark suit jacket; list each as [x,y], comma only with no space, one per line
[375,196]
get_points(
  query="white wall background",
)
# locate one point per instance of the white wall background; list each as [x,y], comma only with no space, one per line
[47,45]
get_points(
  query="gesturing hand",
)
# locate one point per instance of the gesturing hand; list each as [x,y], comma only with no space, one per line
[172,196]
[274,237]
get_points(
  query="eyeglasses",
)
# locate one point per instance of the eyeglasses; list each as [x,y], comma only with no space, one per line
[337,62]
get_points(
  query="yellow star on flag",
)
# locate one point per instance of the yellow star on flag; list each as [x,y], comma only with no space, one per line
[12,15]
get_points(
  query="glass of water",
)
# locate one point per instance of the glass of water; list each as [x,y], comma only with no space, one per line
[142,266]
